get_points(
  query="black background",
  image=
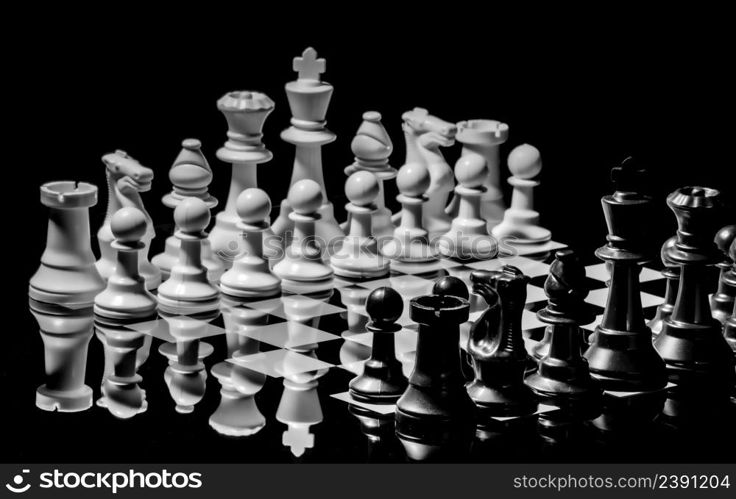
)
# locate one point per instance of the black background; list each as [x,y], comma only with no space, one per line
[587,88]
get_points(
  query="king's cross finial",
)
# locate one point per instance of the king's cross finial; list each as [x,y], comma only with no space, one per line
[308,66]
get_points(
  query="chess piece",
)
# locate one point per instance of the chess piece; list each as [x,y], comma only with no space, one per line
[729,330]
[468,237]
[382,381]
[484,138]
[722,301]
[410,243]
[520,221]
[497,347]
[188,290]
[454,286]
[424,135]
[621,355]
[67,275]
[190,175]
[245,112]
[358,256]
[302,270]
[299,409]
[699,360]
[563,379]
[354,353]
[372,147]
[308,100]
[671,273]
[238,415]
[126,297]
[250,275]
[435,412]
[126,179]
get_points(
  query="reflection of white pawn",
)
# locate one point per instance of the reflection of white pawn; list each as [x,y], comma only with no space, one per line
[410,243]
[187,290]
[521,221]
[358,257]
[302,269]
[250,275]
[299,409]
[468,236]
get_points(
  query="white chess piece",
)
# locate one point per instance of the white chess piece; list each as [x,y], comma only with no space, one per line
[187,290]
[372,147]
[245,112]
[250,275]
[521,221]
[302,269]
[190,175]
[358,256]
[468,237]
[410,242]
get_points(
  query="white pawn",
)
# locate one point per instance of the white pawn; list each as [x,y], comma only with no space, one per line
[521,221]
[358,257]
[250,275]
[187,290]
[125,296]
[468,237]
[302,269]
[410,243]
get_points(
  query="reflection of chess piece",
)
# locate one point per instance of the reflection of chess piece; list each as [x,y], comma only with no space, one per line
[410,242]
[302,269]
[125,299]
[67,274]
[237,414]
[483,138]
[250,275]
[126,179]
[434,414]
[521,221]
[468,237]
[729,330]
[671,273]
[190,175]
[352,353]
[372,147]
[699,360]
[722,301]
[308,100]
[245,113]
[358,256]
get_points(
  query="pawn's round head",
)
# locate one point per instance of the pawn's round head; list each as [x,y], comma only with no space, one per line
[361,188]
[384,305]
[413,179]
[305,196]
[192,215]
[128,225]
[253,206]
[525,161]
[725,237]
[470,170]
[451,286]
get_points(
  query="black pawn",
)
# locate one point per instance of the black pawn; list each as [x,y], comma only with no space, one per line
[671,273]
[563,378]
[729,331]
[382,381]
[497,346]
[454,286]
[699,360]
[722,301]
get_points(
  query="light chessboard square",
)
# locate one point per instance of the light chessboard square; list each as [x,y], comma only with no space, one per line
[280,363]
[286,307]
[600,272]
[289,334]
[600,296]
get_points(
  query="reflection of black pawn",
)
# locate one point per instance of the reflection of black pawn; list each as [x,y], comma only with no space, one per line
[382,381]
[562,378]
[497,346]
[378,429]
[454,286]
[434,415]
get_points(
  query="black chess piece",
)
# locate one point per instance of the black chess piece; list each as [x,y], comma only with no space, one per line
[729,330]
[382,381]
[497,346]
[434,416]
[621,354]
[722,301]
[454,286]
[563,378]
[699,360]
[671,273]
